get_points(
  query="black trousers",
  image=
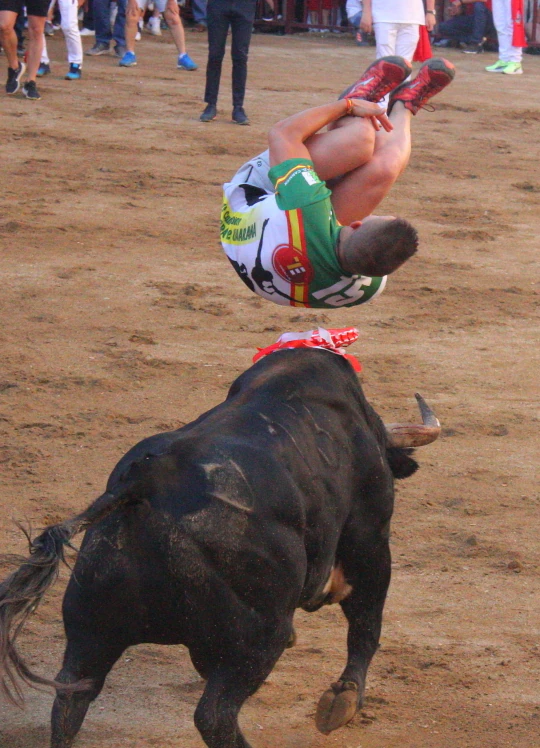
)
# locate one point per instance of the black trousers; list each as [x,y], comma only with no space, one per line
[239,16]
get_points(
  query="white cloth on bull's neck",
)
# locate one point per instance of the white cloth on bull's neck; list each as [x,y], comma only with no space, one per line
[327,343]
[334,341]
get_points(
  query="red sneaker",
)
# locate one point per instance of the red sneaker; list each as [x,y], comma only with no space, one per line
[380,78]
[433,76]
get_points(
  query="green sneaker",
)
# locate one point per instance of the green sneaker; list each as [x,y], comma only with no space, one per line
[497,67]
[513,68]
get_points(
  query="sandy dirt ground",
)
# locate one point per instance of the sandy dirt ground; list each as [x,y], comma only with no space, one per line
[122,318]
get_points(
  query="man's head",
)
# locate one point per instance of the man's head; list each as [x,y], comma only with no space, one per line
[377,246]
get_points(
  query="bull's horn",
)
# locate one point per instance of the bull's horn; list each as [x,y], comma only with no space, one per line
[415,435]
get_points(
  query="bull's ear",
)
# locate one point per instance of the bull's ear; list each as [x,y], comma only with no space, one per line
[401,463]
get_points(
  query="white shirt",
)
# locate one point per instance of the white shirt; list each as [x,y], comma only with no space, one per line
[398,11]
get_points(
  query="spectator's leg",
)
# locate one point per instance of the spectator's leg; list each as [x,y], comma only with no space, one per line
[385,39]
[199,12]
[480,20]
[36,28]
[502,17]
[133,13]
[8,37]
[69,14]
[19,29]
[119,29]
[218,26]
[44,60]
[241,27]
[102,21]
[174,22]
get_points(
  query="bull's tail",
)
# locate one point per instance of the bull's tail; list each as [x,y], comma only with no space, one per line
[21,593]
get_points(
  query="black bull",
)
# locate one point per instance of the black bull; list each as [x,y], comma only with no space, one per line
[211,536]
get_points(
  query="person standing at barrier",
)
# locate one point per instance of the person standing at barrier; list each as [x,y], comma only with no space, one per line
[297,241]
[37,11]
[396,24]
[135,10]
[69,21]
[508,20]
[238,15]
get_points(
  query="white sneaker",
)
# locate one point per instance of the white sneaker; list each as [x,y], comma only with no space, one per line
[138,36]
[154,25]
[87,32]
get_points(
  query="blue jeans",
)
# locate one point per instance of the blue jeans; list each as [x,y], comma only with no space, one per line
[102,22]
[355,20]
[468,29]
[198,8]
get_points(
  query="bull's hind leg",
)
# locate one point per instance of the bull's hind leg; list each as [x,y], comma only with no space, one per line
[92,662]
[216,716]
[229,685]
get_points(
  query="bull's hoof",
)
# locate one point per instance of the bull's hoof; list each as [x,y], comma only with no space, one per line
[337,706]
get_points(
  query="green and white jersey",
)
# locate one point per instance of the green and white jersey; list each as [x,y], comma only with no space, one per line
[282,244]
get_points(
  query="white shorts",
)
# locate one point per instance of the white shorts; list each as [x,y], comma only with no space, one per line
[396,39]
[158,4]
[255,172]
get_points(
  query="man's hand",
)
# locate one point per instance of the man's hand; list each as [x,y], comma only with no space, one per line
[376,114]
[430,22]
[366,23]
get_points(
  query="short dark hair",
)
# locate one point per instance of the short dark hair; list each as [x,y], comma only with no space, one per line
[378,247]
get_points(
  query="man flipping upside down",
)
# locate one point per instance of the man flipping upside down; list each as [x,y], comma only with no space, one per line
[296,241]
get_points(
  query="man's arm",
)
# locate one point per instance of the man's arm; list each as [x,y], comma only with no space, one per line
[366,22]
[286,139]
[430,15]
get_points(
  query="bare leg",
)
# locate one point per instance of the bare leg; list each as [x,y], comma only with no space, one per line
[133,13]
[228,687]
[8,37]
[343,148]
[36,28]
[359,192]
[174,22]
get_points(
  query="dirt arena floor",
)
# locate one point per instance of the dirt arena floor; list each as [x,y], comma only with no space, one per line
[122,318]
